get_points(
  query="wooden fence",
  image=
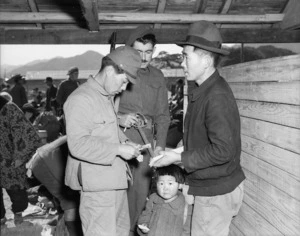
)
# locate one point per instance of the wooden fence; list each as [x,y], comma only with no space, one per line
[268,96]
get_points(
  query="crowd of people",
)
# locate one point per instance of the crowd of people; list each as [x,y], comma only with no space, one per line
[96,157]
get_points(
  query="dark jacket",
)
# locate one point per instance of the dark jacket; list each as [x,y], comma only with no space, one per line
[19,95]
[212,139]
[50,97]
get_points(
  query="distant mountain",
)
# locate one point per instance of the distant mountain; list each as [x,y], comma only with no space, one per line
[89,60]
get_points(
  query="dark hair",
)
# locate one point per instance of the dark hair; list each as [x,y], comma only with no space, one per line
[172,170]
[106,61]
[147,38]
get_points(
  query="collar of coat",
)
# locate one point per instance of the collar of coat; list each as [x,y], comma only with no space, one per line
[199,90]
[175,204]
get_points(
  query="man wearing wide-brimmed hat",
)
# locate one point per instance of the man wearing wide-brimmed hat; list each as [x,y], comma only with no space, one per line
[212,143]
[98,153]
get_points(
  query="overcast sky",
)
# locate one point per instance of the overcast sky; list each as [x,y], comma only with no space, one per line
[23,54]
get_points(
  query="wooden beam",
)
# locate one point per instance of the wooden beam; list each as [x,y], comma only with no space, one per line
[225,7]
[164,36]
[33,7]
[200,6]
[90,13]
[160,9]
[121,18]
[291,18]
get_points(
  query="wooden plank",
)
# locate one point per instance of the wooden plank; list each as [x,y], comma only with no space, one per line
[273,175]
[164,35]
[234,231]
[282,114]
[33,7]
[251,223]
[49,17]
[278,157]
[287,93]
[225,7]
[200,6]
[161,5]
[260,204]
[270,193]
[277,135]
[291,18]
[285,69]
[90,13]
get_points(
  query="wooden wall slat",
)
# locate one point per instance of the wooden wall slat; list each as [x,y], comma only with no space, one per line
[285,224]
[271,174]
[285,68]
[287,93]
[251,223]
[277,135]
[234,231]
[274,195]
[283,114]
[278,157]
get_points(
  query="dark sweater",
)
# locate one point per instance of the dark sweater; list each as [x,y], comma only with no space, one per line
[212,139]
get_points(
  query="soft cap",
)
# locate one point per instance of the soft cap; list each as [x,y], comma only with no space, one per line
[128,59]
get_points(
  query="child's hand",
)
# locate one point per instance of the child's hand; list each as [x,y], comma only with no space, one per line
[144,228]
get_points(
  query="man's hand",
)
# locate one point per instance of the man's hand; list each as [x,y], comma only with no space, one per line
[169,158]
[127,120]
[128,151]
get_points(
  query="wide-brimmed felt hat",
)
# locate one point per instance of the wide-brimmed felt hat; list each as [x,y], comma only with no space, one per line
[138,32]
[128,59]
[72,70]
[204,35]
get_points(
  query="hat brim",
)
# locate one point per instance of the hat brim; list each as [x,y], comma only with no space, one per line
[211,49]
[130,78]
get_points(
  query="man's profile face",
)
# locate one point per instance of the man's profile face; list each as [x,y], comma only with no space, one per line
[115,83]
[74,76]
[146,51]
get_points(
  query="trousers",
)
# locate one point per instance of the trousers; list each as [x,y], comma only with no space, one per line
[212,215]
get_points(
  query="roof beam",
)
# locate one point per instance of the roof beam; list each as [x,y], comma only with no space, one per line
[33,7]
[170,35]
[225,7]
[160,9]
[50,17]
[291,18]
[90,12]
[200,6]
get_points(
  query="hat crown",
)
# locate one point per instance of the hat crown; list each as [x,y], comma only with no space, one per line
[127,59]
[206,30]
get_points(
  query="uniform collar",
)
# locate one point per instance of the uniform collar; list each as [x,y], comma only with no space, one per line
[199,90]
[97,86]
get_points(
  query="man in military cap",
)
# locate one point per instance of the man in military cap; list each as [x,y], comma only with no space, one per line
[67,86]
[98,149]
[212,138]
[147,97]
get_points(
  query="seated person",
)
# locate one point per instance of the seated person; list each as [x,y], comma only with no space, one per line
[48,166]
[49,122]
[166,212]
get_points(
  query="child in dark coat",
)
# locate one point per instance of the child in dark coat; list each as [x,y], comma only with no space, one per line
[166,212]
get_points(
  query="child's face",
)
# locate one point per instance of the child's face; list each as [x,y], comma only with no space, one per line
[167,187]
